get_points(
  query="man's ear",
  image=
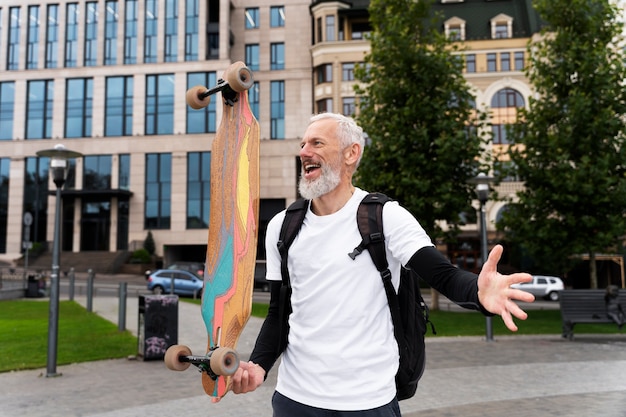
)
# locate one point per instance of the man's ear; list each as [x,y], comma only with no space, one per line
[351,154]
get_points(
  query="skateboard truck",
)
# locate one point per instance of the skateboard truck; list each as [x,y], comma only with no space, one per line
[219,361]
[235,80]
[229,95]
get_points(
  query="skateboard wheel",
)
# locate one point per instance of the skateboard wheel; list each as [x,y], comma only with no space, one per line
[239,77]
[224,361]
[194,100]
[171,357]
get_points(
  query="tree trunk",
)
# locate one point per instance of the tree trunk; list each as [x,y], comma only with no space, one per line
[593,271]
[434,299]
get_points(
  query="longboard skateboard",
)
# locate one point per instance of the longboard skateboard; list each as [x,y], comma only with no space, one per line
[233,232]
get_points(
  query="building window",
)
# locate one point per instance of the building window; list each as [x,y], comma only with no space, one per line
[330,28]
[52,36]
[4,202]
[252,56]
[36,197]
[491,62]
[78,107]
[171,30]
[130,32]
[505,61]
[160,104]
[470,63]
[124,172]
[519,61]
[501,27]
[507,97]
[40,97]
[97,172]
[202,120]
[7,109]
[324,73]
[359,30]
[277,16]
[254,95]
[158,191]
[71,35]
[347,71]
[91,34]
[348,107]
[122,202]
[318,31]
[277,110]
[500,31]
[455,29]
[118,106]
[13,42]
[252,18]
[110,33]
[324,105]
[499,134]
[32,38]
[151,31]
[277,56]
[198,189]
[192,28]
[454,33]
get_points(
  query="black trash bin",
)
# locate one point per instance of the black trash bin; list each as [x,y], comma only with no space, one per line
[158,325]
[32,290]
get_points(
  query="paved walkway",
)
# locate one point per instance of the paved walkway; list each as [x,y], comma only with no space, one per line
[514,376]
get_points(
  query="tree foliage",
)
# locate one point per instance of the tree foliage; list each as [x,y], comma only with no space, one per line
[569,147]
[417,109]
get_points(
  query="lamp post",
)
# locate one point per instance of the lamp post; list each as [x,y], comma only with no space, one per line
[482,182]
[59,168]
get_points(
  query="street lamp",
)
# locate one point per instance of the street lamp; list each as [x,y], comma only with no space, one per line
[59,168]
[482,182]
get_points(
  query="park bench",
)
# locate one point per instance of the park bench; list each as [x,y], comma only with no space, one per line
[584,306]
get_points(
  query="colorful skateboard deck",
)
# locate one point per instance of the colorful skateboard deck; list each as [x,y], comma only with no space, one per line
[233,231]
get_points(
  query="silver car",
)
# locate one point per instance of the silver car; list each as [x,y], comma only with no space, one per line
[542,287]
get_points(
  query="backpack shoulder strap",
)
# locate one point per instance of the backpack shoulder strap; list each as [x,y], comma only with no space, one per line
[370,223]
[294,217]
[369,220]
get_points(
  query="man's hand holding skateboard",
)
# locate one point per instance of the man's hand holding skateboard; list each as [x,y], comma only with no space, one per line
[248,378]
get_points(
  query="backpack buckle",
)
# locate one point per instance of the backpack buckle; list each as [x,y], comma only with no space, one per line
[376,237]
[386,275]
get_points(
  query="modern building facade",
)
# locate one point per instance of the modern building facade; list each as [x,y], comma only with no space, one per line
[107,78]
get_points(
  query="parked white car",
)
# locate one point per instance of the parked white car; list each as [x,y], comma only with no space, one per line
[542,287]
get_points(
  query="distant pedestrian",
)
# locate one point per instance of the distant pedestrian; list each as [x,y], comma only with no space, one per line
[614,309]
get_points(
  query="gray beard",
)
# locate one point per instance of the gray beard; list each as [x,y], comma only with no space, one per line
[328,181]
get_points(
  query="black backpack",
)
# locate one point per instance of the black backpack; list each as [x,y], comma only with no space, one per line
[409,312]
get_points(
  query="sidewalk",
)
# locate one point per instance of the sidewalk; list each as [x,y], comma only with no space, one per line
[514,376]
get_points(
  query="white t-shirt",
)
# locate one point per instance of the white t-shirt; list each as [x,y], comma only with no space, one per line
[342,354]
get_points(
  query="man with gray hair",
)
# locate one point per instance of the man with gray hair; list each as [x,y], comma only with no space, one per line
[341,356]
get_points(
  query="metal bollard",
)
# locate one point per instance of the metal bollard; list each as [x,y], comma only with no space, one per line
[172,286]
[121,326]
[90,278]
[72,280]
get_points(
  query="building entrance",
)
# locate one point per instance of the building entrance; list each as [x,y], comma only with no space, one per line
[95,223]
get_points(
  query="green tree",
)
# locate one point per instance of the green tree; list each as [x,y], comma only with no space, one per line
[148,244]
[569,147]
[418,111]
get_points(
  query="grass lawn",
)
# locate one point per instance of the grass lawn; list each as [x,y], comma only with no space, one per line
[85,336]
[82,336]
[470,323]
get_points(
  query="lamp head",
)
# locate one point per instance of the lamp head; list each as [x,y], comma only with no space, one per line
[59,165]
